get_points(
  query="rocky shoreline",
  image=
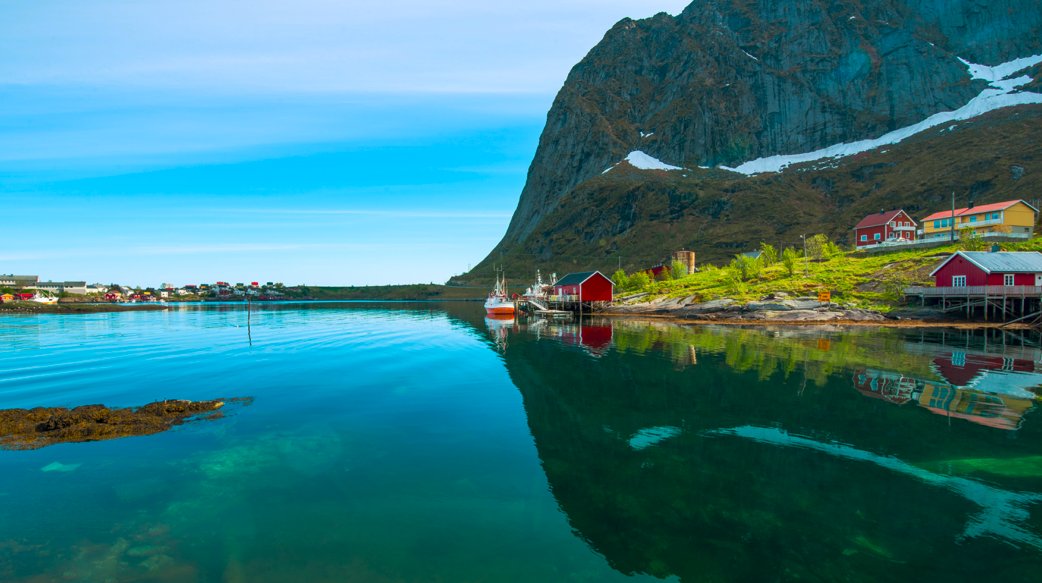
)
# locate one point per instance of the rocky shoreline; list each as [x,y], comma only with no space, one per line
[774,308]
[780,309]
[72,308]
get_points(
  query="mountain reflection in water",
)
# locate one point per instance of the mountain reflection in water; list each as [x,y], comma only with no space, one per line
[715,453]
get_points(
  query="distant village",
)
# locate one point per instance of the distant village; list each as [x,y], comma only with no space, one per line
[29,287]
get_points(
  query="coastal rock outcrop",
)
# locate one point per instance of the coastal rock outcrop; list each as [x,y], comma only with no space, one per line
[44,426]
[784,310]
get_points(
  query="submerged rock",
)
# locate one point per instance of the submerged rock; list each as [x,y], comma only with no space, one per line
[43,426]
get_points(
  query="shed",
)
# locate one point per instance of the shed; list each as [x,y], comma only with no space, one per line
[998,269]
[587,286]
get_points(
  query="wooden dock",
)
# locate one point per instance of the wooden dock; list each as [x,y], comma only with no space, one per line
[993,302]
[542,309]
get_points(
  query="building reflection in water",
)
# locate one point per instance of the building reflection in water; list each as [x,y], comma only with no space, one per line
[710,453]
[987,389]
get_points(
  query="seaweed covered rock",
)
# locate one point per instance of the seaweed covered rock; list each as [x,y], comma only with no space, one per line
[43,426]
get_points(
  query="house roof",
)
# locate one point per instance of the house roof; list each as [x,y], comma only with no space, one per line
[984,208]
[1000,261]
[876,219]
[578,278]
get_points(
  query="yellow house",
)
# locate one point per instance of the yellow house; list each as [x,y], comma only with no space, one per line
[6,298]
[1013,218]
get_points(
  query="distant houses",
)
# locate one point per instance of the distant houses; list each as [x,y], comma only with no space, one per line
[19,281]
[1011,219]
[882,227]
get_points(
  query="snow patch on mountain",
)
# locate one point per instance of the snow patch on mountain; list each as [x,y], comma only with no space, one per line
[642,161]
[1002,93]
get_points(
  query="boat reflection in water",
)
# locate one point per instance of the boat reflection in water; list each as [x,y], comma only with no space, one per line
[731,454]
[499,326]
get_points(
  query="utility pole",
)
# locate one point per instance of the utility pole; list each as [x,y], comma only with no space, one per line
[806,259]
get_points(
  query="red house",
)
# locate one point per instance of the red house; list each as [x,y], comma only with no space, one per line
[883,226]
[588,286]
[979,268]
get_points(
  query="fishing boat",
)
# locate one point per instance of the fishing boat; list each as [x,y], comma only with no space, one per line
[44,299]
[498,303]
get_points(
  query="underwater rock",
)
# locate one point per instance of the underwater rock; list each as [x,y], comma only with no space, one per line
[43,426]
[60,467]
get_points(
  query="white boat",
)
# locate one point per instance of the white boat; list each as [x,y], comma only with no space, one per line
[44,300]
[538,290]
[498,304]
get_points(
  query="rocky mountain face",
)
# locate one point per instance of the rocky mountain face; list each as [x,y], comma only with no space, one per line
[728,81]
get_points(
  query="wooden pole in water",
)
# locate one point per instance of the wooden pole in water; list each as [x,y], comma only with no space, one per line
[249,328]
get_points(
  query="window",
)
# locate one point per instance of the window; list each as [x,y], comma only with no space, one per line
[875,236]
[1008,280]
[958,281]
[864,237]
[973,219]
[937,224]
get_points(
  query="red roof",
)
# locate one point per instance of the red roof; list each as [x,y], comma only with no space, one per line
[984,208]
[876,219]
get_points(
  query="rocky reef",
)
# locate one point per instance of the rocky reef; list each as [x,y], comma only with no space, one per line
[44,426]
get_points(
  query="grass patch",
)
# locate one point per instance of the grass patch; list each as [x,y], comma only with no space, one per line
[866,280]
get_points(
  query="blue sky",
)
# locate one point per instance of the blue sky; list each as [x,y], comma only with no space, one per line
[320,141]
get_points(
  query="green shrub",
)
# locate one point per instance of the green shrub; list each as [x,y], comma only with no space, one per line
[789,258]
[678,269]
[768,254]
[621,279]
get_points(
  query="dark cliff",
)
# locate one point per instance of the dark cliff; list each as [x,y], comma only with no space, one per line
[728,81]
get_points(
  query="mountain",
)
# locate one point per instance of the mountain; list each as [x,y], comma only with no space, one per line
[718,128]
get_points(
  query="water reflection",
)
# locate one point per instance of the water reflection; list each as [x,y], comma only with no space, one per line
[716,453]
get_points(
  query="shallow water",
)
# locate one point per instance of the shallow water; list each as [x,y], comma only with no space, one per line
[422,442]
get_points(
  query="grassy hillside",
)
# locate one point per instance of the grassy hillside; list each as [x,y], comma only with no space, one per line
[873,281]
[637,218]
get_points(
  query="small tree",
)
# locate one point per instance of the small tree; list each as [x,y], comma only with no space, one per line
[971,240]
[817,246]
[789,259]
[745,267]
[678,269]
[830,250]
[620,279]
[734,279]
[768,254]
[639,281]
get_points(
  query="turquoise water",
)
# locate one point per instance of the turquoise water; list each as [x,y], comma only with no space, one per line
[422,442]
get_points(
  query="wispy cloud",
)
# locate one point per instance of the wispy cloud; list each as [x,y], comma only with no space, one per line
[394,214]
[325,46]
[187,249]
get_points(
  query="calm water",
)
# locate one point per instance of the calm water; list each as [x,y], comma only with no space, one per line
[421,442]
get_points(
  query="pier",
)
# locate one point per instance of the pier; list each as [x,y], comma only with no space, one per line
[542,308]
[992,303]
